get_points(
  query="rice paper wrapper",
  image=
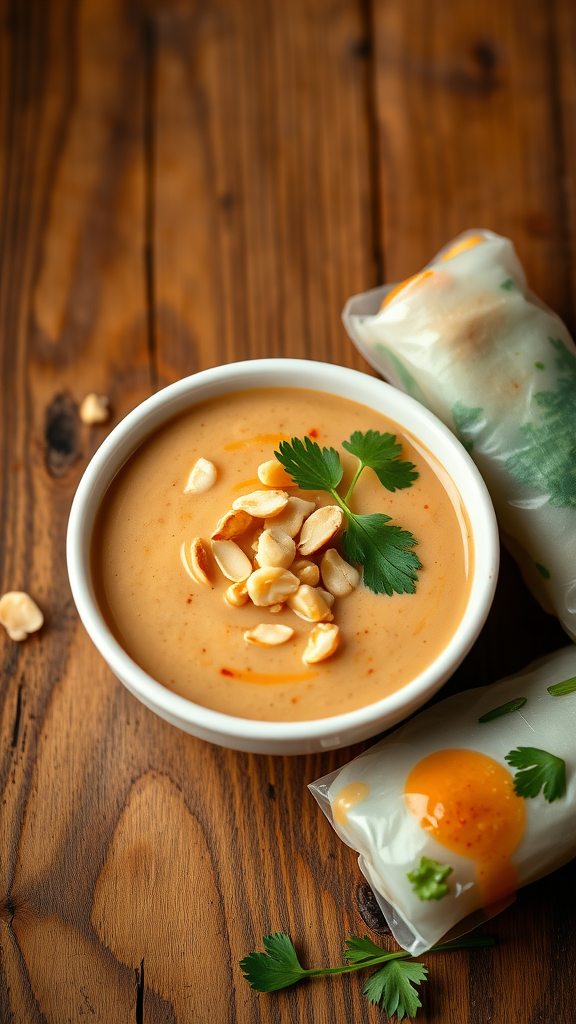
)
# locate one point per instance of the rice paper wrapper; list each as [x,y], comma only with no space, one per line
[390,839]
[468,339]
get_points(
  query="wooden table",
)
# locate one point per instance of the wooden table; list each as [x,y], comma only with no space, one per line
[184,183]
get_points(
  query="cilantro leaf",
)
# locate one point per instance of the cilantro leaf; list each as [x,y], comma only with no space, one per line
[547,461]
[380,452]
[428,879]
[311,467]
[393,987]
[561,689]
[539,770]
[358,949]
[504,709]
[277,968]
[384,552]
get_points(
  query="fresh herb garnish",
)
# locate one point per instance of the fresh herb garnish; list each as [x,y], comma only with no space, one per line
[561,689]
[504,709]
[428,879]
[384,551]
[380,452]
[539,770]
[391,986]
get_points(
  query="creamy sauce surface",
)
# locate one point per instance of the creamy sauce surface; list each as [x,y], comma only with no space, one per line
[186,636]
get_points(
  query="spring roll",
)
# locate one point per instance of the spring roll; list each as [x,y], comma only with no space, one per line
[466,803]
[467,339]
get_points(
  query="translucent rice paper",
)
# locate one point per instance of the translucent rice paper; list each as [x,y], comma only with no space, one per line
[391,841]
[467,339]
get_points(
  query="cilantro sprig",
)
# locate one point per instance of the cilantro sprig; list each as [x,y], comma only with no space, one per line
[539,770]
[429,879]
[390,566]
[392,986]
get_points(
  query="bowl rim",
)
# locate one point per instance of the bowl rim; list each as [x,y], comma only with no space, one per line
[162,406]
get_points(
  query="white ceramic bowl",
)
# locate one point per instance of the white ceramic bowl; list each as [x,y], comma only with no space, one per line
[283,737]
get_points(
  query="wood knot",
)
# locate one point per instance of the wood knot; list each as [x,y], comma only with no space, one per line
[369,910]
[361,48]
[62,435]
[485,55]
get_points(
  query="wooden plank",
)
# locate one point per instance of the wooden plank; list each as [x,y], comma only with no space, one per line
[263,193]
[214,160]
[469,118]
[72,315]
[468,133]
[562,47]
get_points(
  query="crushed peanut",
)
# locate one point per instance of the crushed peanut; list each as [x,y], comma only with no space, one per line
[271,585]
[272,474]
[231,560]
[199,568]
[19,614]
[306,571]
[308,604]
[236,595]
[326,596]
[319,528]
[256,538]
[202,477]
[94,409]
[268,634]
[322,643]
[292,516]
[338,576]
[275,548]
[233,524]
[261,504]
[275,578]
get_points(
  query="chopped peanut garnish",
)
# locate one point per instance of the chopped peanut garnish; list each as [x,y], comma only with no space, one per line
[262,504]
[308,604]
[272,474]
[268,634]
[306,571]
[236,595]
[338,576]
[322,643]
[319,528]
[94,409]
[233,524]
[202,477]
[275,548]
[199,568]
[19,614]
[291,517]
[271,585]
[231,560]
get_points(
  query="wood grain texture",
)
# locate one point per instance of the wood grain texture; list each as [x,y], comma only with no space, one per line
[263,192]
[469,133]
[183,184]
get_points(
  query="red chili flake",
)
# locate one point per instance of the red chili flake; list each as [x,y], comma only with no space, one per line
[313,432]
[189,599]
[226,672]
[425,506]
